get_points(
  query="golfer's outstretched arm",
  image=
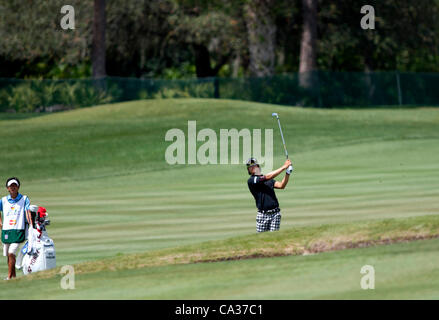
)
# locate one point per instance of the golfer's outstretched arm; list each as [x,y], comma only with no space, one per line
[275,173]
[282,184]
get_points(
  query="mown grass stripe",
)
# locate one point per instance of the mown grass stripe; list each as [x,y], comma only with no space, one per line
[293,241]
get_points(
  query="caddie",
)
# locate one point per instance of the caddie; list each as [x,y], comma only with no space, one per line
[262,188]
[15,214]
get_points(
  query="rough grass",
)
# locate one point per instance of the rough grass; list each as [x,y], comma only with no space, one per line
[294,241]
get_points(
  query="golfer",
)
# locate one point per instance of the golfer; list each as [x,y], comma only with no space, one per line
[15,213]
[262,188]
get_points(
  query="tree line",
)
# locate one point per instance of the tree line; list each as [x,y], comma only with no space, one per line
[214,38]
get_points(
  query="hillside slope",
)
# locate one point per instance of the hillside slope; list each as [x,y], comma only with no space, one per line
[102,174]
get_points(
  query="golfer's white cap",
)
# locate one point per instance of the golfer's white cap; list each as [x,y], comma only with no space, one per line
[12,182]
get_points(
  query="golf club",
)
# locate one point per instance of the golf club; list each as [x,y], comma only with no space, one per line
[274,114]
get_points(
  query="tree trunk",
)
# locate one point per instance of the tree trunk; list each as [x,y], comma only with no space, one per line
[368,70]
[98,48]
[261,31]
[202,61]
[308,44]
[236,64]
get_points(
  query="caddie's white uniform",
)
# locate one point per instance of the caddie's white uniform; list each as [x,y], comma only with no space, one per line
[14,222]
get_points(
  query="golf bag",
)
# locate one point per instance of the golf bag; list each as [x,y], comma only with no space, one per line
[38,253]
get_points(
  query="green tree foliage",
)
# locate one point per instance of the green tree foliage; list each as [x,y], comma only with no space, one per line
[189,38]
[404,38]
[213,31]
[31,29]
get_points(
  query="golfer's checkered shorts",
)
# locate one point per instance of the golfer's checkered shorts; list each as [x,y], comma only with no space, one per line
[268,221]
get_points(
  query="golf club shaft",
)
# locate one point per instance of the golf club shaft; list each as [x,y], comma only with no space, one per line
[281,134]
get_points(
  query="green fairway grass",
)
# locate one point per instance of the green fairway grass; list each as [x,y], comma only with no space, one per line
[402,271]
[291,241]
[102,175]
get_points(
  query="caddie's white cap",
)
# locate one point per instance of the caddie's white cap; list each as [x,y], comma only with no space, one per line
[13,181]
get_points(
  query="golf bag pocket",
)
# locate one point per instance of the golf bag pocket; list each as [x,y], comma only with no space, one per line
[41,258]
